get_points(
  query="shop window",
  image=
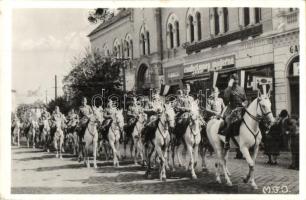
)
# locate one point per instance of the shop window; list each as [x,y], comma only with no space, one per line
[177,29]
[198,16]
[294,86]
[171,36]
[225,17]
[191,28]
[246,15]
[216,17]
[257,15]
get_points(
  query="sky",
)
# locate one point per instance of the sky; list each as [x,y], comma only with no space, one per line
[44,43]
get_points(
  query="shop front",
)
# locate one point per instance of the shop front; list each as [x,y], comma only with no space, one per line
[173,78]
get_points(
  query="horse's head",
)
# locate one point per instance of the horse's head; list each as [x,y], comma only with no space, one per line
[97,114]
[119,119]
[194,110]
[169,115]
[265,109]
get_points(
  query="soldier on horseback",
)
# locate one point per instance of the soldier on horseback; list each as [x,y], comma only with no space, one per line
[108,117]
[236,101]
[133,115]
[215,104]
[182,107]
[85,113]
[45,115]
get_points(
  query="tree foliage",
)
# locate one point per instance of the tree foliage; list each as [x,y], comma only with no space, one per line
[100,15]
[64,105]
[90,74]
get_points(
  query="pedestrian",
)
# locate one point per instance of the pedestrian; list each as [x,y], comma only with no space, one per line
[292,129]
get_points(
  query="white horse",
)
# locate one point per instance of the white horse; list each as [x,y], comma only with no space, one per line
[58,138]
[31,133]
[136,135]
[192,139]
[45,135]
[91,137]
[16,126]
[113,135]
[249,137]
[161,139]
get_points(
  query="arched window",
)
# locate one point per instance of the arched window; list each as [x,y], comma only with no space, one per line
[246,15]
[171,36]
[148,41]
[143,43]
[216,17]
[191,28]
[198,17]
[225,17]
[257,15]
[131,49]
[177,29]
[127,49]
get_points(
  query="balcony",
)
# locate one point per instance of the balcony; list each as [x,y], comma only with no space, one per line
[223,39]
[288,20]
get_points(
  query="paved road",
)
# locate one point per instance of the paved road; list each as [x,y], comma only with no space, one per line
[34,171]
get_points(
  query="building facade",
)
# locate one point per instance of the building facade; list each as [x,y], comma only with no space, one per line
[203,46]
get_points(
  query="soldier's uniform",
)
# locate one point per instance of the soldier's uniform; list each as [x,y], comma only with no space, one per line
[73,120]
[45,115]
[182,107]
[234,97]
[215,104]
[85,113]
[108,116]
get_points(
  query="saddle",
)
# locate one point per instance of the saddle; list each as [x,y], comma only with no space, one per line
[233,127]
[104,128]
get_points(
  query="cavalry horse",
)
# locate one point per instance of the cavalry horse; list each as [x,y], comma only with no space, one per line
[30,132]
[91,137]
[58,138]
[136,136]
[192,139]
[160,140]
[45,137]
[16,126]
[113,135]
[249,137]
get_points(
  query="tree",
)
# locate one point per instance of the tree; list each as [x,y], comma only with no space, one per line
[90,74]
[64,105]
[100,15]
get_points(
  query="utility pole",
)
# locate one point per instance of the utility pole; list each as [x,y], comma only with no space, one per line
[55,87]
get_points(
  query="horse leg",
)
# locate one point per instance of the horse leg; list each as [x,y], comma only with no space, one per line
[148,173]
[191,163]
[18,138]
[135,150]
[162,174]
[203,155]
[94,150]
[225,163]
[118,151]
[115,160]
[178,154]
[254,155]
[60,147]
[245,151]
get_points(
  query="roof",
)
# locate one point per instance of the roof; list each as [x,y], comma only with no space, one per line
[103,25]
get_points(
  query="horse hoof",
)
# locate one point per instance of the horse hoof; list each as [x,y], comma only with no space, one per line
[61,157]
[254,187]
[194,177]
[218,180]
[56,156]
[95,166]
[229,184]
[163,179]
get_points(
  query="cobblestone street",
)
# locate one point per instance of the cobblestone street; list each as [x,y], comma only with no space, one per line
[37,172]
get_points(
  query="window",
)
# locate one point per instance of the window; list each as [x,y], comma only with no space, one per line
[177,29]
[216,17]
[191,28]
[148,41]
[246,15]
[198,17]
[257,15]
[143,44]
[131,49]
[127,49]
[225,18]
[171,36]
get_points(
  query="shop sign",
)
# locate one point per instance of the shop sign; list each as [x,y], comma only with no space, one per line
[210,65]
[294,49]
[173,75]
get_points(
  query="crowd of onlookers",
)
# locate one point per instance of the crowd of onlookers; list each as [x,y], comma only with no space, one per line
[283,135]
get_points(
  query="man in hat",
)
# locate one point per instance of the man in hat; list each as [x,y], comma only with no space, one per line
[183,107]
[236,100]
[85,113]
[215,104]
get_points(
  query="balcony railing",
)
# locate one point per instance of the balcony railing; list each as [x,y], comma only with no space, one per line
[292,17]
[223,39]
